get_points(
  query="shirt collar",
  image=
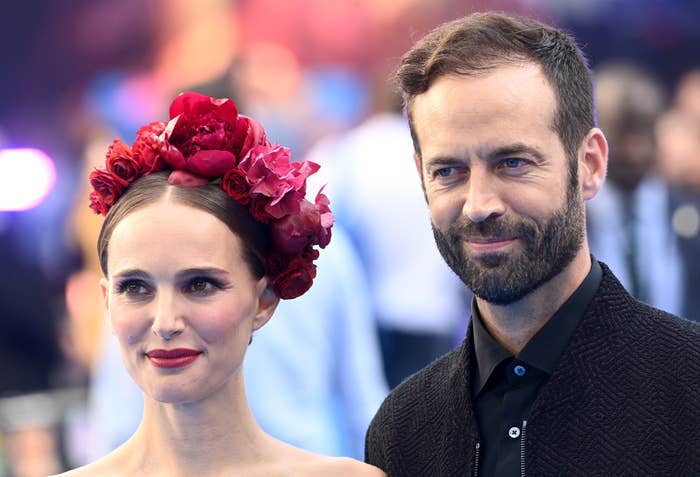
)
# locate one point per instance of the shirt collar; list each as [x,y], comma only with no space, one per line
[545,348]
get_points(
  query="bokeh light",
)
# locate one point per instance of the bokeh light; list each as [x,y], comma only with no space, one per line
[26,177]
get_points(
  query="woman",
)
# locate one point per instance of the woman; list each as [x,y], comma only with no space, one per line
[206,229]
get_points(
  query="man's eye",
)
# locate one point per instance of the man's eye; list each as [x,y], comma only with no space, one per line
[512,163]
[444,172]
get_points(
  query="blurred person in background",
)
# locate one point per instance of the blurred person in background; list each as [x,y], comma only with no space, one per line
[633,213]
[184,316]
[407,275]
[30,359]
[678,139]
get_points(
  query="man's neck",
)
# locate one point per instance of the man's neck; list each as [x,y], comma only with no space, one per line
[513,325]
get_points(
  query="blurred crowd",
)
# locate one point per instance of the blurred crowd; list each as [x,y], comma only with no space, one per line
[317,74]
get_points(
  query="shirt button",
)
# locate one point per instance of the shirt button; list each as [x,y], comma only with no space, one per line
[520,370]
[514,432]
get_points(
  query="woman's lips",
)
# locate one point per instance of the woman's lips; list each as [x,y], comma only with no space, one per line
[172,358]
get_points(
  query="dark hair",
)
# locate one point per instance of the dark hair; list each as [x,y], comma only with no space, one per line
[254,235]
[482,41]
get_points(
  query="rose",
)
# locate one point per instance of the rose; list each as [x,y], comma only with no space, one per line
[120,162]
[294,232]
[295,280]
[147,147]
[107,189]
[235,184]
[257,209]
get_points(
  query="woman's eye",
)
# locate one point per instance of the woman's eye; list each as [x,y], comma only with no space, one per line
[201,286]
[133,288]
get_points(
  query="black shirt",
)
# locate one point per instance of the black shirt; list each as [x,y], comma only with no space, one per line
[505,386]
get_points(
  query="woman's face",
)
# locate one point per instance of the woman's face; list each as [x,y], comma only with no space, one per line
[181,300]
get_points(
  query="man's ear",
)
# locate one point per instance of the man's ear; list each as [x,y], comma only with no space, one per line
[104,288]
[267,304]
[592,163]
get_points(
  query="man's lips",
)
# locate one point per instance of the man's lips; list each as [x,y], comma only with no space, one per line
[172,358]
[489,244]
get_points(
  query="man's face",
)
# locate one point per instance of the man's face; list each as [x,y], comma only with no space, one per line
[497,180]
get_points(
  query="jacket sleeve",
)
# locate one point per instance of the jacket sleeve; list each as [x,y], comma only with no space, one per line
[375,451]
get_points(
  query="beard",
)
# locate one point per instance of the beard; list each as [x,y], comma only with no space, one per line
[506,277]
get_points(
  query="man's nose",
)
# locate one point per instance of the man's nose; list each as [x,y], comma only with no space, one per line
[483,198]
[168,321]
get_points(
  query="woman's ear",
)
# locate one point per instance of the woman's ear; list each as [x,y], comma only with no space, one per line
[593,163]
[267,304]
[104,287]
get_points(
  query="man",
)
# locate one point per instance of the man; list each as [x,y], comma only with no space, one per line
[562,372]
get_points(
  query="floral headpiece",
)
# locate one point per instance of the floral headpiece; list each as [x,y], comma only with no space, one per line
[207,141]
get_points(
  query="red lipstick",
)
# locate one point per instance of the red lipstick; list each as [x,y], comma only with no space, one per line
[172,358]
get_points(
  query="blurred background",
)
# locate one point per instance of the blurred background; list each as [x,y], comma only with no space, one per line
[77,74]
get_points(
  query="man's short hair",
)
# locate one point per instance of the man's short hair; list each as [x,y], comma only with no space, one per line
[479,42]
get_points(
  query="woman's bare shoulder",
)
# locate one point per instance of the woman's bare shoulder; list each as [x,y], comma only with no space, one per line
[342,466]
[108,466]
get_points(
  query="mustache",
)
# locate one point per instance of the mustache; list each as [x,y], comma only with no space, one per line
[491,227]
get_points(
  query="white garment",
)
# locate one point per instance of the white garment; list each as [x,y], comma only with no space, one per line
[659,263]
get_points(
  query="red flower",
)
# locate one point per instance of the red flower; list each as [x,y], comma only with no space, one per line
[294,232]
[107,189]
[236,186]
[295,280]
[257,209]
[185,179]
[120,162]
[147,146]
[322,204]
[248,133]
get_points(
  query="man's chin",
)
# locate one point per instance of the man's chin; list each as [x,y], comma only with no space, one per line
[489,260]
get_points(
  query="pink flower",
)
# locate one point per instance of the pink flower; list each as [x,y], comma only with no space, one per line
[294,232]
[322,204]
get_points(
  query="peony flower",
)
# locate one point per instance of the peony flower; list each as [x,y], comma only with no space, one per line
[247,134]
[294,232]
[185,179]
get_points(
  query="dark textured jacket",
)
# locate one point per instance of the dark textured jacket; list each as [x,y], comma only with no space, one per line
[624,400]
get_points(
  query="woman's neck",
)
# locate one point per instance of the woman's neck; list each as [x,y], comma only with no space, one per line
[199,438]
